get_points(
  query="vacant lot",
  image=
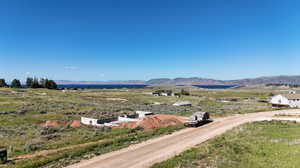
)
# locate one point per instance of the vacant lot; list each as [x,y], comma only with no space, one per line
[23,111]
[259,144]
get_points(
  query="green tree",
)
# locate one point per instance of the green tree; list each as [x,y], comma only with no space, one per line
[44,82]
[3,83]
[29,82]
[16,83]
[51,84]
[35,83]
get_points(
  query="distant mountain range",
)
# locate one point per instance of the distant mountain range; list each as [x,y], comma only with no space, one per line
[197,81]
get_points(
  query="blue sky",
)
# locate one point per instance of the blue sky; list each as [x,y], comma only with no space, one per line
[143,39]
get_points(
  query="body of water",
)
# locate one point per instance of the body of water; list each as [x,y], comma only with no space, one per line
[215,86]
[100,86]
[120,86]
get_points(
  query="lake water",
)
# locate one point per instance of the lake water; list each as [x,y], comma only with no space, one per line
[215,86]
[93,86]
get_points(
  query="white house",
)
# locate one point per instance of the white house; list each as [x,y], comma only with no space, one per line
[90,121]
[291,100]
[164,94]
[126,118]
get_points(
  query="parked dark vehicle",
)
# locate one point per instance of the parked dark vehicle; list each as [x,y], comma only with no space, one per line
[3,156]
[198,119]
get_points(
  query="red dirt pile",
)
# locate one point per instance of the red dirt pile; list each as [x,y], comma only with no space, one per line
[75,124]
[130,125]
[155,121]
[57,123]
[53,123]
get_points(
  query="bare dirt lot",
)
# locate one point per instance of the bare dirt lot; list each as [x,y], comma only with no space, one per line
[162,148]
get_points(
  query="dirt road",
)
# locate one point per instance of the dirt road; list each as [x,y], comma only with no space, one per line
[145,154]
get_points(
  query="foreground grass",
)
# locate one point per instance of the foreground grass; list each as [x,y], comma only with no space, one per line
[68,157]
[253,145]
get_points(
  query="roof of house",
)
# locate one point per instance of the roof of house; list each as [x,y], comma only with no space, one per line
[291,96]
[144,112]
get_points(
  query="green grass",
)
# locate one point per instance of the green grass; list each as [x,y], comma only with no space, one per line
[21,133]
[253,145]
[67,157]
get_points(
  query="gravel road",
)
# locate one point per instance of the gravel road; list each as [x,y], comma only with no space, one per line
[144,154]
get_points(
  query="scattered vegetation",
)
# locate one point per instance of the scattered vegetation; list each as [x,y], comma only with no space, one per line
[67,157]
[259,144]
[22,112]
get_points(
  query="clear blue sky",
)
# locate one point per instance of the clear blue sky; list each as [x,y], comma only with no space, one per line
[143,39]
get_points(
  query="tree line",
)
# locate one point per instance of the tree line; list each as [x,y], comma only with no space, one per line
[31,83]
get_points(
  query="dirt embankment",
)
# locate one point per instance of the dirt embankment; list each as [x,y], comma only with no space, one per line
[57,123]
[148,122]
[155,121]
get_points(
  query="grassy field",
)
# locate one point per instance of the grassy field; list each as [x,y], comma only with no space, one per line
[23,110]
[253,145]
[72,156]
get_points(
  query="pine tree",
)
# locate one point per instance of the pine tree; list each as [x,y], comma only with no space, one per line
[3,83]
[16,83]
[35,83]
[51,84]
[29,82]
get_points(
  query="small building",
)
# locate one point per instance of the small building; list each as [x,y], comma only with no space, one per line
[163,93]
[128,118]
[143,113]
[286,100]
[292,92]
[182,103]
[3,156]
[200,116]
[90,121]
[156,94]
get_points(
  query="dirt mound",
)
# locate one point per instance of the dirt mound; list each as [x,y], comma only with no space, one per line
[159,120]
[75,124]
[53,123]
[57,123]
[130,125]
[155,121]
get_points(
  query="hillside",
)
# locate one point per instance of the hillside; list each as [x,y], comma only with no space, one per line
[197,81]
